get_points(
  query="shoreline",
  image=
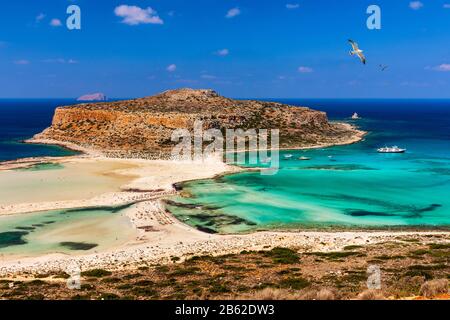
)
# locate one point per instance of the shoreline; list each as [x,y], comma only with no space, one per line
[357,136]
[161,236]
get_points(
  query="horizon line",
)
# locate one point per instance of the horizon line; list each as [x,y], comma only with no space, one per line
[237,98]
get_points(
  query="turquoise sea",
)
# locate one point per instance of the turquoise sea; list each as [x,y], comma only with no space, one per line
[347,186]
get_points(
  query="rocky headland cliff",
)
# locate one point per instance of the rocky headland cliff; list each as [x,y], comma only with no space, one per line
[92,97]
[143,127]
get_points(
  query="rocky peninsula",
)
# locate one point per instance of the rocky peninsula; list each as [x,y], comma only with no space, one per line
[142,128]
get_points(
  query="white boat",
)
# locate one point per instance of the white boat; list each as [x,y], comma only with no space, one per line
[304,158]
[393,149]
[355,116]
[288,156]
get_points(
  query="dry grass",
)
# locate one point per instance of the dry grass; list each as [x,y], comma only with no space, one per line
[432,288]
[371,295]
[320,294]
[283,294]
[279,274]
[272,294]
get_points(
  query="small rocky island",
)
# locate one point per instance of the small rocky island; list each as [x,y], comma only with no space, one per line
[93,97]
[143,127]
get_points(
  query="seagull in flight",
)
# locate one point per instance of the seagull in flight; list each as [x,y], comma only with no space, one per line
[357,51]
[383,67]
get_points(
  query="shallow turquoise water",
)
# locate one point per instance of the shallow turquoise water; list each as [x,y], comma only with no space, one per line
[71,230]
[348,186]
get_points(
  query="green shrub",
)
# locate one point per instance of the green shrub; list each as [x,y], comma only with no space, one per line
[282,255]
[294,283]
[96,273]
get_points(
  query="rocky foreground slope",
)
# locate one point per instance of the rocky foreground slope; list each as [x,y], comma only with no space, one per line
[143,127]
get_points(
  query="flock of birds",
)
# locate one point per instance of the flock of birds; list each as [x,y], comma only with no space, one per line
[359,53]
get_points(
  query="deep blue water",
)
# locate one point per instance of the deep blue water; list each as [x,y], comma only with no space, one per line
[21,119]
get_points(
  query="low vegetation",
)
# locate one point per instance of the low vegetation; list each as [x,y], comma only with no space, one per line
[408,268]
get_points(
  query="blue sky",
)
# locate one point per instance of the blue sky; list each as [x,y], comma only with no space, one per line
[241,48]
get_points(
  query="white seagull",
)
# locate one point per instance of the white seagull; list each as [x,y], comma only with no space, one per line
[357,51]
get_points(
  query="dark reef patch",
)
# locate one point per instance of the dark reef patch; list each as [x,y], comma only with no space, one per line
[412,212]
[336,167]
[438,171]
[104,208]
[78,245]
[12,238]
[191,206]
[364,213]
[207,217]
[207,230]
[418,211]
[26,228]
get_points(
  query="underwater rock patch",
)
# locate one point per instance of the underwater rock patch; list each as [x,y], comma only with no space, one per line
[343,167]
[76,246]
[12,238]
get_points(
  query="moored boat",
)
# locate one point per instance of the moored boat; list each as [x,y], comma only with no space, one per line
[355,116]
[393,149]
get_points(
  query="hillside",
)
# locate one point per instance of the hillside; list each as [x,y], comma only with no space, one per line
[143,127]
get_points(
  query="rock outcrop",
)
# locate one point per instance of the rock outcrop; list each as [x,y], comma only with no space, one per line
[93,97]
[143,127]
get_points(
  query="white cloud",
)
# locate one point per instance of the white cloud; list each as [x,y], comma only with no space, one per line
[208,77]
[233,13]
[304,69]
[133,15]
[223,52]
[446,6]
[415,5]
[445,67]
[22,62]
[61,60]
[172,68]
[40,17]
[56,23]
[292,6]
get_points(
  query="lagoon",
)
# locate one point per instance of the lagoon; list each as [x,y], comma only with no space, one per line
[347,186]
[68,231]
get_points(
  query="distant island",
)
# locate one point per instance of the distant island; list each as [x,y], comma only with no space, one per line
[143,127]
[93,97]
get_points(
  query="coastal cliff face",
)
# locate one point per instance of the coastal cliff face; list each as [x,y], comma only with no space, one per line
[143,127]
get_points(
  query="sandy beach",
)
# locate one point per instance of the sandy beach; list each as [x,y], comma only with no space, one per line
[160,236]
